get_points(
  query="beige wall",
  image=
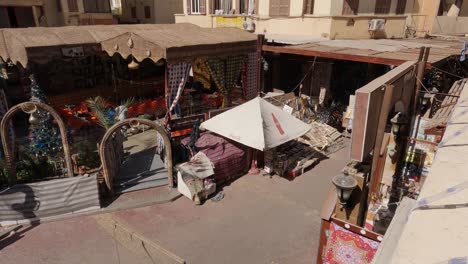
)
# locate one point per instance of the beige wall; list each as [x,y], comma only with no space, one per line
[140,11]
[200,20]
[450,25]
[54,18]
[164,10]
[394,28]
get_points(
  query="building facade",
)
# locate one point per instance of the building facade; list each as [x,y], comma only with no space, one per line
[149,11]
[84,12]
[53,13]
[335,19]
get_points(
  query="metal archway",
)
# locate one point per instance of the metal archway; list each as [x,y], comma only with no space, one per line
[108,177]
[6,142]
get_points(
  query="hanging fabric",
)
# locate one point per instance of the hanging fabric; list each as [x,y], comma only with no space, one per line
[177,75]
[225,72]
[249,76]
[201,73]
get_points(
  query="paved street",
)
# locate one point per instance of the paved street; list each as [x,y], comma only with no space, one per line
[260,220]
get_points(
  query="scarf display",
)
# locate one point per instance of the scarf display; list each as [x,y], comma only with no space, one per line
[225,72]
[346,247]
[177,77]
[201,73]
[249,76]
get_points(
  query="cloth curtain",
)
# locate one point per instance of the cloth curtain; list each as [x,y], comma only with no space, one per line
[201,73]
[344,246]
[177,75]
[249,76]
[225,72]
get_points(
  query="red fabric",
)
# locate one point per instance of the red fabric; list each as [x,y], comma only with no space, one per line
[229,159]
[346,247]
[132,111]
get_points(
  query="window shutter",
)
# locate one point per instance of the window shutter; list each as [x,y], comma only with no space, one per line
[350,7]
[202,7]
[284,8]
[401,5]
[189,7]
[274,7]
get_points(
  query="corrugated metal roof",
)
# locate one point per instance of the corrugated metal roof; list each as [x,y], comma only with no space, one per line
[48,198]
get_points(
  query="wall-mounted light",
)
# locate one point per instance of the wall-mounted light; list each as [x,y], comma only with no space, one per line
[344,185]
[398,122]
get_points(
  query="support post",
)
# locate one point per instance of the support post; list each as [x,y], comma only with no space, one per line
[260,41]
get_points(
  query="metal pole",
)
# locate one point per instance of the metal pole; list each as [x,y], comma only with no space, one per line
[260,41]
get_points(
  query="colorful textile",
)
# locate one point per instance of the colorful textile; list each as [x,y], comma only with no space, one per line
[201,73]
[249,76]
[225,72]
[177,77]
[345,247]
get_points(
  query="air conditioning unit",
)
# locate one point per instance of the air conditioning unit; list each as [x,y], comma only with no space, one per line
[249,25]
[377,24]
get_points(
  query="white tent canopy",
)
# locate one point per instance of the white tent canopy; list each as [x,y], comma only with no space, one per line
[257,124]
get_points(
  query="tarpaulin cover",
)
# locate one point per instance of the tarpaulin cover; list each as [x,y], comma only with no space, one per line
[257,124]
[229,159]
[48,198]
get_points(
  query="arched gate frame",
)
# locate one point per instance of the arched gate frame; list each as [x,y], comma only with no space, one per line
[103,153]
[6,141]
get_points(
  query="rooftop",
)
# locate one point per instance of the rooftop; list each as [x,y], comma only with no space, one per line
[379,51]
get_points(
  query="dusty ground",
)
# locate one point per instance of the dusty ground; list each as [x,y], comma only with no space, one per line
[260,220]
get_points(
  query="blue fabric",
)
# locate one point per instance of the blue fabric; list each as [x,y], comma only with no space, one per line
[463,51]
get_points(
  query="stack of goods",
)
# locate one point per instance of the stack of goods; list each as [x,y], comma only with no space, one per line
[229,158]
[323,138]
[290,159]
[194,178]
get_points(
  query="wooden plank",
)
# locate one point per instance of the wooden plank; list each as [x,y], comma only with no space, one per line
[386,106]
[392,236]
[333,55]
[324,227]
[357,229]
[368,100]
[328,205]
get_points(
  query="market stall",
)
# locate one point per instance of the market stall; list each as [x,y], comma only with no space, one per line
[96,76]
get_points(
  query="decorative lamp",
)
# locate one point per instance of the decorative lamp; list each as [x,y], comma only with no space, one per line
[398,121]
[31,109]
[345,185]
[133,65]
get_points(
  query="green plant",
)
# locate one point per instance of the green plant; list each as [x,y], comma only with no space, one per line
[30,168]
[88,156]
[98,106]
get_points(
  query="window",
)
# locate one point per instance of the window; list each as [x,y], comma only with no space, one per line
[96,6]
[382,6]
[133,11]
[401,6]
[222,6]
[72,6]
[308,7]
[350,7]
[147,12]
[196,6]
[279,7]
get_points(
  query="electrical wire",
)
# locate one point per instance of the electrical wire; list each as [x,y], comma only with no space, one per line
[305,76]
[425,88]
[449,73]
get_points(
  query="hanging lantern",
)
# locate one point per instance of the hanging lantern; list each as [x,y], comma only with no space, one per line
[133,65]
[344,185]
[134,126]
[33,120]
